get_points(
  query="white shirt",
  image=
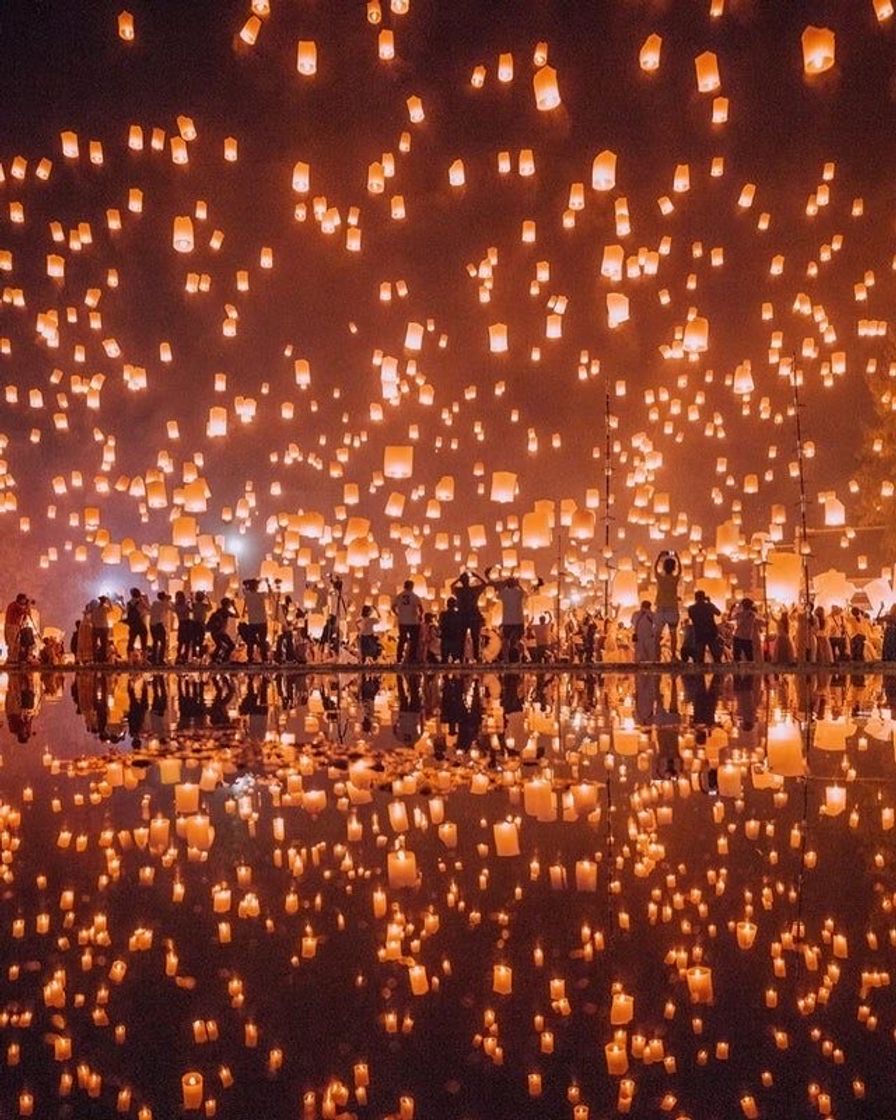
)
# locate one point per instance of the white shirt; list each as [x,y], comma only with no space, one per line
[408,608]
[512,599]
[256,607]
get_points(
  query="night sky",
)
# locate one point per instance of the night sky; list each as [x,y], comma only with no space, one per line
[65,67]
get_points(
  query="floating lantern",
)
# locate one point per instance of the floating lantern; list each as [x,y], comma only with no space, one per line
[504,486]
[649,57]
[306,57]
[818,49]
[707,67]
[603,171]
[547,92]
[398,461]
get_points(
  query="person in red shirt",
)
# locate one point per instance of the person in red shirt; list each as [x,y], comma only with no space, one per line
[16,613]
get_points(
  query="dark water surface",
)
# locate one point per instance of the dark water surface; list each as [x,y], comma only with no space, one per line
[659,822]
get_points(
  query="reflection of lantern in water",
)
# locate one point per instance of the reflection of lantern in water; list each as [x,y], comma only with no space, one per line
[502,979]
[746,934]
[834,800]
[700,984]
[784,749]
[402,869]
[191,1086]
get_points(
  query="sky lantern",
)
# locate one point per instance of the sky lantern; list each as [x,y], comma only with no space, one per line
[497,338]
[818,49]
[784,577]
[306,57]
[398,461]
[547,92]
[649,56]
[603,171]
[182,235]
[126,26]
[696,335]
[504,486]
[617,309]
[707,67]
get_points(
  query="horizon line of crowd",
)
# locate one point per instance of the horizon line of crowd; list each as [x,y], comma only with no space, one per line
[266,626]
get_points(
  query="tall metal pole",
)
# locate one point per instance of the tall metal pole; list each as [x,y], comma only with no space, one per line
[559,529]
[804,531]
[608,481]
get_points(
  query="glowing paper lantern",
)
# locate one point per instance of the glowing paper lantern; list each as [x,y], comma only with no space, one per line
[617,309]
[783,577]
[504,486]
[707,67]
[818,49]
[649,57]
[603,171]
[547,92]
[536,530]
[398,461]
[182,237]
[306,57]
[497,338]
[696,336]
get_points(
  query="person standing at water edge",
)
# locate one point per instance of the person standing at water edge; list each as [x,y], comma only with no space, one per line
[667,570]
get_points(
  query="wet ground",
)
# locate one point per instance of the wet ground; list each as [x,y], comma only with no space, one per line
[448,894]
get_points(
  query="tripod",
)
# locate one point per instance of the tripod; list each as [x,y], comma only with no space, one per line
[337,610]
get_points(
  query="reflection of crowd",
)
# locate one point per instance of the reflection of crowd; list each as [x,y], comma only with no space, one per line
[449,715]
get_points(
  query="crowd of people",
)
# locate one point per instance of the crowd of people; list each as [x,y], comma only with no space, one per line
[264,625]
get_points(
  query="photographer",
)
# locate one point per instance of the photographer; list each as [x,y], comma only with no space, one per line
[331,638]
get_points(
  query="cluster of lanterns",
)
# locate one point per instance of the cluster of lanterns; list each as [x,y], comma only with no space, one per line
[535,897]
[691,400]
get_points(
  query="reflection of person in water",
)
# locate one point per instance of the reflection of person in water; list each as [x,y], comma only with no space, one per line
[21,705]
[408,726]
[219,716]
[668,724]
[190,703]
[158,708]
[645,698]
[368,688]
[704,697]
[138,706]
[254,705]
